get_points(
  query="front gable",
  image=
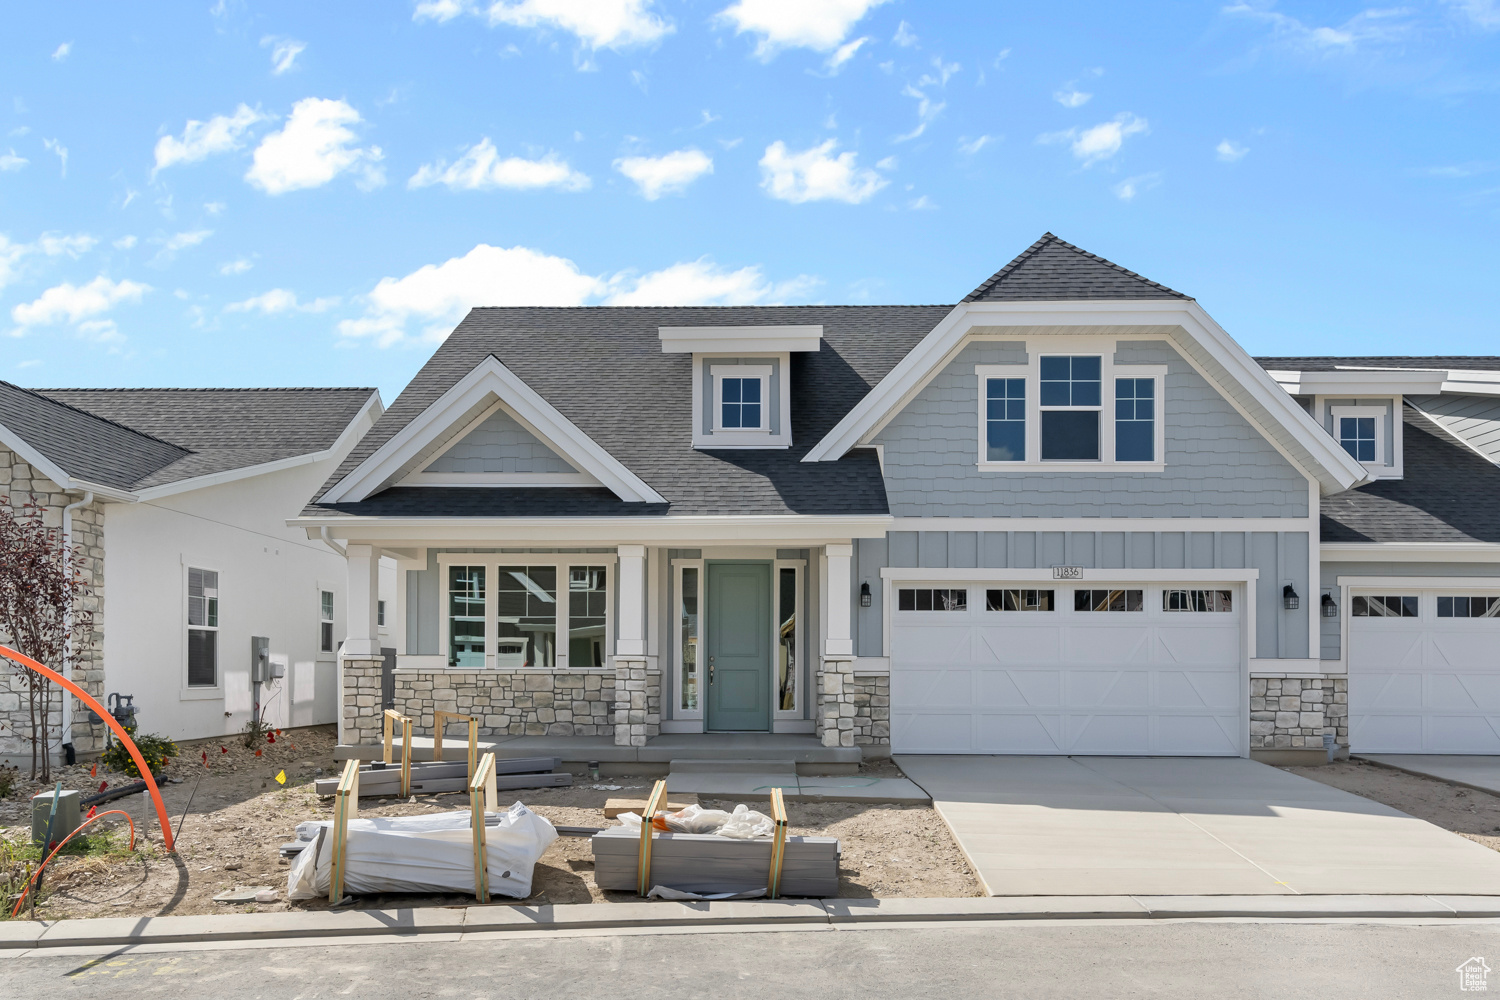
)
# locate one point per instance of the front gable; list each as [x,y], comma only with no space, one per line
[490,429]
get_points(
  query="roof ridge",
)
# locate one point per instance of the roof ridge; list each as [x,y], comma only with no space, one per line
[94,416]
[825,305]
[204,388]
[1016,261]
[1048,239]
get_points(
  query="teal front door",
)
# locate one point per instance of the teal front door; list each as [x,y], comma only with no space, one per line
[739,646]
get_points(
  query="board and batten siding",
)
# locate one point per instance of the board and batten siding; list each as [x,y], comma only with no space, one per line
[1217,464]
[1330,629]
[1280,556]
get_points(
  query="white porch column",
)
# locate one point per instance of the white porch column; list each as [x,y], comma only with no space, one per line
[630,630]
[363,594]
[838,637]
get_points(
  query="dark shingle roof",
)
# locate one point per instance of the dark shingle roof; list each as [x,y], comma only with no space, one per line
[1052,269]
[1448,494]
[604,369]
[139,438]
[1468,363]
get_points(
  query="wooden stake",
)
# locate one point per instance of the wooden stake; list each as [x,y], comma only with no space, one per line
[405,756]
[481,800]
[778,843]
[653,805]
[441,720]
[346,806]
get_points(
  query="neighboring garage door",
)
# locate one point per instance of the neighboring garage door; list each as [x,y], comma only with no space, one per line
[1424,671]
[1097,669]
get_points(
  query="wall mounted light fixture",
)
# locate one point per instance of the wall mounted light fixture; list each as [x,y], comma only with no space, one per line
[864,594]
[1289,598]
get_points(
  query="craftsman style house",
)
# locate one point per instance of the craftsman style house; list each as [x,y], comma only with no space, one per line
[1068,515]
[175,501]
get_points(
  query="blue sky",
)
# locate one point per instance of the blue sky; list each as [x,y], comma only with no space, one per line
[312,194]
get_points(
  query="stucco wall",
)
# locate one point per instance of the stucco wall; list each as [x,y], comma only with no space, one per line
[1217,465]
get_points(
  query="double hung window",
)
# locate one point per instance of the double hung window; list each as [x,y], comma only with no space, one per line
[325,621]
[203,628]
[1070,400]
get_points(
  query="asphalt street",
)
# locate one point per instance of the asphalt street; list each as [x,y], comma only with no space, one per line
[1032,960]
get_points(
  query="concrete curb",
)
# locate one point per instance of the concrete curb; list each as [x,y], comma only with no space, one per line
[453,922]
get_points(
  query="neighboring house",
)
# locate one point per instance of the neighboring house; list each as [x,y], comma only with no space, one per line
[1069,515]
[178,499]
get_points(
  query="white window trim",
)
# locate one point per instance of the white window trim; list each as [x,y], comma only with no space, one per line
[1379,466]
[563,561]
[1108,372]
[201,692]
[713,435]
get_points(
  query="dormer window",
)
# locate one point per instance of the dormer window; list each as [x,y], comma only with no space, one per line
[1357,435]
[1370,431]
[741,393]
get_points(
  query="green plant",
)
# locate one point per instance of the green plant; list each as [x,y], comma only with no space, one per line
[255,732]
[155,751]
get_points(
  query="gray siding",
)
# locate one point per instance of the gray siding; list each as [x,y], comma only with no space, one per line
[1281,557]
[501,445]
[1475,419]
[1329,628]
[423,597]
[1217,465]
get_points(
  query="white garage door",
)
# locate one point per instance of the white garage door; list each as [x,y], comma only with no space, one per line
[1097,669]
[1424,671]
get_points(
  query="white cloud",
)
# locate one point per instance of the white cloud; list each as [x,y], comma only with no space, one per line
[124,243]
[181,241]
[1070,98]
[61,52]
[10,161]
[200,140]
[1483,14]
[284,52]
[1229,151]
[281,300]
[702,283]
[927,112]
[57,244]
[821,25]
[1132,186]
[669,174]
[239,266]
[480,168]
[76,303]
[816,175]
[904,36]
[61,151]
[10,256]
[599,24]
[315,147]
[1373,25]
[1100,142]
[921,203]
[436,297]
[213,207]
[969,147]
[844,53]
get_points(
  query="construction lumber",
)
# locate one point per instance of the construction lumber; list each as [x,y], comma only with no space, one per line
[676,801]
[643,851]
[344,809]
[481,801]
[375,784]
[704,863]
[778,843]
[440,722]
[392,717]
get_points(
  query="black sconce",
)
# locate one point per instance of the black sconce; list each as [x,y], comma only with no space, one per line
[864,595]
[1289,598]
[1330,607]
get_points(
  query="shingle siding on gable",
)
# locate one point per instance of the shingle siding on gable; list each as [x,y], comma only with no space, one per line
[500,445]
[1217,464]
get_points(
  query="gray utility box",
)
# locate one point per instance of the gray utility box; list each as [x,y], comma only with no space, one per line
[260,659]
[65,823]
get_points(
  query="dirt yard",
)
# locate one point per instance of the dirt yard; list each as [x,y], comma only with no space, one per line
[240,815]
[1466,812]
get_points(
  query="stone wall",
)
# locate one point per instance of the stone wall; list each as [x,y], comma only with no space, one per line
[1293,713]
[637,703]
[19,483]
[871,695]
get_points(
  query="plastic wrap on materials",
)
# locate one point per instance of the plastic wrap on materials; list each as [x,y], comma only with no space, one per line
[432,853]
[742,824]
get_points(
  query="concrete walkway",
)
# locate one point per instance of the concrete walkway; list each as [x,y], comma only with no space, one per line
[1471,771]
[1054,826]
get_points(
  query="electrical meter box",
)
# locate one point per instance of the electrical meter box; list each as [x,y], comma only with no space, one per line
[260,659]
[64,823]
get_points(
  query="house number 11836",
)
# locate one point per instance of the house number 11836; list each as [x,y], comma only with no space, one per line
[1067,572]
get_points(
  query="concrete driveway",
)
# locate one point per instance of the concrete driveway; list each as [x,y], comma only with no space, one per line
[1185,826]
[1472,771]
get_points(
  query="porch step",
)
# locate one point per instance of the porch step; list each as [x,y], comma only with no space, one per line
[742,766]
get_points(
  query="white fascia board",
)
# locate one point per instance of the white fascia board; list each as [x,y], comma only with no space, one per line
[490,377]
[50,469]
[1359,382]
[1091,575]
[1336,470]
[738,339]
[1475,552]
[1103,523]
[437,532]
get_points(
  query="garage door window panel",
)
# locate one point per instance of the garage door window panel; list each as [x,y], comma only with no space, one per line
[1197,601]
[1468,607]
[932,599]
[1018,600]
[1385,606]
[1109,600]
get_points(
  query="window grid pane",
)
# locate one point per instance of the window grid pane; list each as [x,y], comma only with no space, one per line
[932,599]
[1070,381]
[526,610]
[1406,606]
[466,600]
[1005,420]
[740,403]
[1108,600]
[1135,419]
[1357,435]
[586,606]
[1018,600]
[1468,607]
[1197,600]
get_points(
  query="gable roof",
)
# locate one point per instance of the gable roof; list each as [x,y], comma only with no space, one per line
[139,439]
[1431,363]
[1055,270]
[1447,494]
[617,386]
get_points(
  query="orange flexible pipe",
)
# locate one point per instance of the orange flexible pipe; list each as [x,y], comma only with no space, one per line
[109,720]
[92,819]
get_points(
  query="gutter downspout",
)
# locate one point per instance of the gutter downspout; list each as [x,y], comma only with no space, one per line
[328,541]
[67,671]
